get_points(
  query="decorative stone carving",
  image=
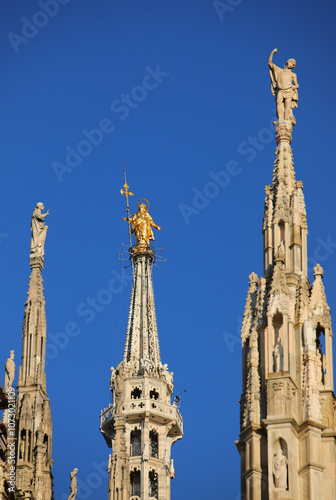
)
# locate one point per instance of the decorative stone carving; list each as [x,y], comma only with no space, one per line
[73,486]
[309,334]
[279,469]
[113,377]
[9,371]
[38,231]
[284,87]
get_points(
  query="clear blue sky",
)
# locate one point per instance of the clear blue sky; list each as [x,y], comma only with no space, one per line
[178,90]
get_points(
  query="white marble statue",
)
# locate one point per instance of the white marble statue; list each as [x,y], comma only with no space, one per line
[113,377]
[279,468]
[284,87]
[38,231]
[9,371]
[73,486]
[278,356]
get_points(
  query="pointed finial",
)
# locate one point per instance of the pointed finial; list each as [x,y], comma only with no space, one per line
[318,271]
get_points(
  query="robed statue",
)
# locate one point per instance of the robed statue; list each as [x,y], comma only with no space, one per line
[142,224]
[38,231]
[73,485]
[284,87]
[9,371]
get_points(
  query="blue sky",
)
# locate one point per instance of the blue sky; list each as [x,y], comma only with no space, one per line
[179,91]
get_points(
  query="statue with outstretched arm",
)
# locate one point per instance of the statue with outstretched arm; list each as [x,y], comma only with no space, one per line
[284,87]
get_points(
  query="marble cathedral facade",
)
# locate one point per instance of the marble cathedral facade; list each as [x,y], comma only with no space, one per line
[287,441]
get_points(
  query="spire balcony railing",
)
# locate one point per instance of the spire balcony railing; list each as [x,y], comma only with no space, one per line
[144,405]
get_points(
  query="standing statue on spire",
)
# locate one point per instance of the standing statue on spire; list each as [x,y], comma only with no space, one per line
[38,231]
[73,486]
[142,224]
[9,371]
[284,87]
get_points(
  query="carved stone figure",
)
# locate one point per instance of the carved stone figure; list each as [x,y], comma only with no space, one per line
[9,371]
[142,224]
[309,333]
[279,467]
[113,377]
[22,447]
[73,486]
[278,356]
[38,231]
[284,87]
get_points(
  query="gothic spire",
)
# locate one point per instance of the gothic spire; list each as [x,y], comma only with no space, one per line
[141,424]
[34,427]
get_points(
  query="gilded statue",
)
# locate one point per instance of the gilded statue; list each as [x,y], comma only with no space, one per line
[284,87]
[38,231]
[142,224]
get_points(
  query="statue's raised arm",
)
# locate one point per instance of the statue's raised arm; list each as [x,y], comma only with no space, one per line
[284,87]
[38,231]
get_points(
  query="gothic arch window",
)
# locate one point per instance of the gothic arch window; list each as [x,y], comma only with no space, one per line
[135,483]
[321,353]
[281,226]
[154,394]
[153,444]
[135,443]
[136,393]
[277,326]
[153,484]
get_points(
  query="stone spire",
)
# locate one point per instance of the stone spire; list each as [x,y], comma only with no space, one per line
[141,424]
[34,427]
[287,441]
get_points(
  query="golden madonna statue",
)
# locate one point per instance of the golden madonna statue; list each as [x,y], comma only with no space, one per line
[142,224]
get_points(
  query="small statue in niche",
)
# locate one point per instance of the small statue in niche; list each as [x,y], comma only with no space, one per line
[278,356]
[279,468]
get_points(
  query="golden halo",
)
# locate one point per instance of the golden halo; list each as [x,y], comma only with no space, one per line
[141,200]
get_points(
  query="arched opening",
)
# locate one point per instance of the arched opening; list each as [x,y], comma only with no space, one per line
[321,354]
[154,444]
[135,443]
[136,393]
[281,228]
[154,394]
[153,484]
[135,483]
